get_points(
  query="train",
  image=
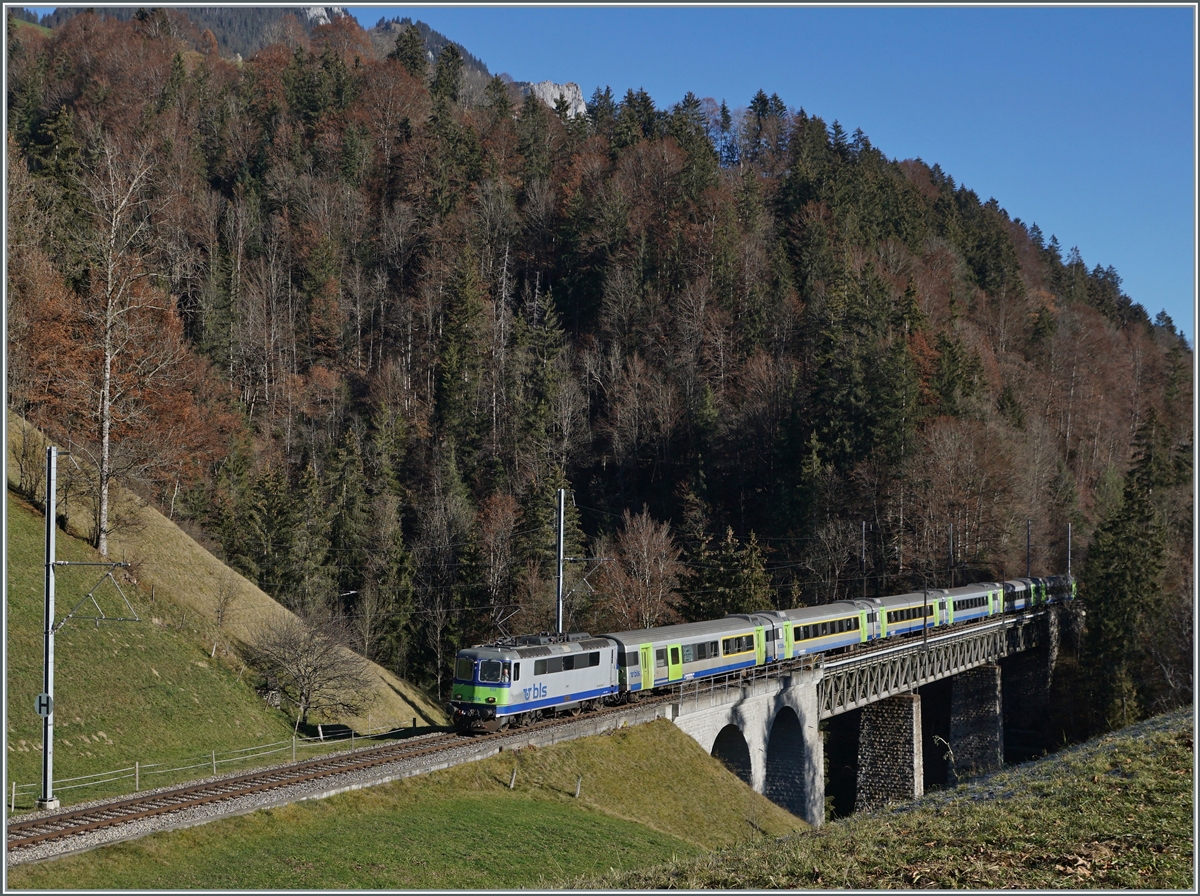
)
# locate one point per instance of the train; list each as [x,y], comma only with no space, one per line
[514,682]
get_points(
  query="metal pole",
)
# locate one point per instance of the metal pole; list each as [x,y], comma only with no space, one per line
[1028,544]
[952,555]
[864,558]
[1068,548]
[48,800]
[562,507]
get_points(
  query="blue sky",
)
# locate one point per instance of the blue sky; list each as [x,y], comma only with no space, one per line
[1081,119]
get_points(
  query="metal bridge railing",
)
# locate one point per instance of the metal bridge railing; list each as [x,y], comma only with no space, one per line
[856,681]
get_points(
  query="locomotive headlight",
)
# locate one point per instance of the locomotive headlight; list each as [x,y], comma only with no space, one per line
[491,699]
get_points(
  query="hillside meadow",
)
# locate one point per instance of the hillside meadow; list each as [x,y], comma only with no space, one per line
[124,691]
[151,691]
[1116,812]
[647,795]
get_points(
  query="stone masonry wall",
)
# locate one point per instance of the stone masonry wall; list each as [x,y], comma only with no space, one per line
[976,722]
[890,762]
[1026,696]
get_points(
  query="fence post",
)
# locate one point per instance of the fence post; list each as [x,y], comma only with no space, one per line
[512,782]
[351,740]
[214,762]
[13,806]
[137,776]
[578,785]
[293,748]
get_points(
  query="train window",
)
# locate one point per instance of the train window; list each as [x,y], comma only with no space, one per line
[713,649]
[689,653]
[660,658]
[489,670]
[568,663]
[464,668]
[674,656]
[539,667]
[625,660]
[738,645]
[516,671]
[554,664]
[593,659]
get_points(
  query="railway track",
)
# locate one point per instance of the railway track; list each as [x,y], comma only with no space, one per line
[63,826]
[21,833]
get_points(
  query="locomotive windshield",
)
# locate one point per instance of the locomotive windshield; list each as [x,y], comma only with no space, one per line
[464,668]
[489,670]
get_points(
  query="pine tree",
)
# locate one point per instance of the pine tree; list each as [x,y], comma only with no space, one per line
[602,112]
[1121,583]
[410,52]
[448,75]
[350,528]
[461,369]
[497,99]
[729,579]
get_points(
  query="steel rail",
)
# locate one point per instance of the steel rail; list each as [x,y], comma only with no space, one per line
[64,824]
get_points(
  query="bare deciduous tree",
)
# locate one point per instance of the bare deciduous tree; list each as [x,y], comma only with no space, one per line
[228,594]
[310,666]
[639,587]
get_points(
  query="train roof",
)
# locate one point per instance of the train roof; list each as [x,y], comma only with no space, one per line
[838,609]
[510,650]
[684,631]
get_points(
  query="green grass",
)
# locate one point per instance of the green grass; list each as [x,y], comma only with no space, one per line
[124,692]
[1114,813]
[461,828]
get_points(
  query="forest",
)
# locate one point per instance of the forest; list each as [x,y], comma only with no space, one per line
[353,322]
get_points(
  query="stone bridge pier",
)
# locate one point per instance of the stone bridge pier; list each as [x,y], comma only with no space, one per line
[1028,677]
[767,732]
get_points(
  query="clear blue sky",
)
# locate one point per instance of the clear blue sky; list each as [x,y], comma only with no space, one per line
[1079,119]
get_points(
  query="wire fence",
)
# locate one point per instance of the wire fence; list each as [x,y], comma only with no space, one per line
[151,775]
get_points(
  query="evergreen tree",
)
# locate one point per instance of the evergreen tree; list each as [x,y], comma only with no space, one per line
[686,125]
[461,370]
[497,99]
[448,74]
[350,529]
[1121,583]
[310,583]
[728,580]
[602,112]
[410,52]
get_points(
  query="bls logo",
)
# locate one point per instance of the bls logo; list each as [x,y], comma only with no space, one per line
[533,693]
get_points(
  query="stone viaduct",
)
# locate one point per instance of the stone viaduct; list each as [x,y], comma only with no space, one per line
[995,677]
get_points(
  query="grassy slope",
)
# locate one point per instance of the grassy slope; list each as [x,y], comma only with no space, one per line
[123,691]
[174,563]
[148,691]
[1115,812]
[186,578]
[461,828]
